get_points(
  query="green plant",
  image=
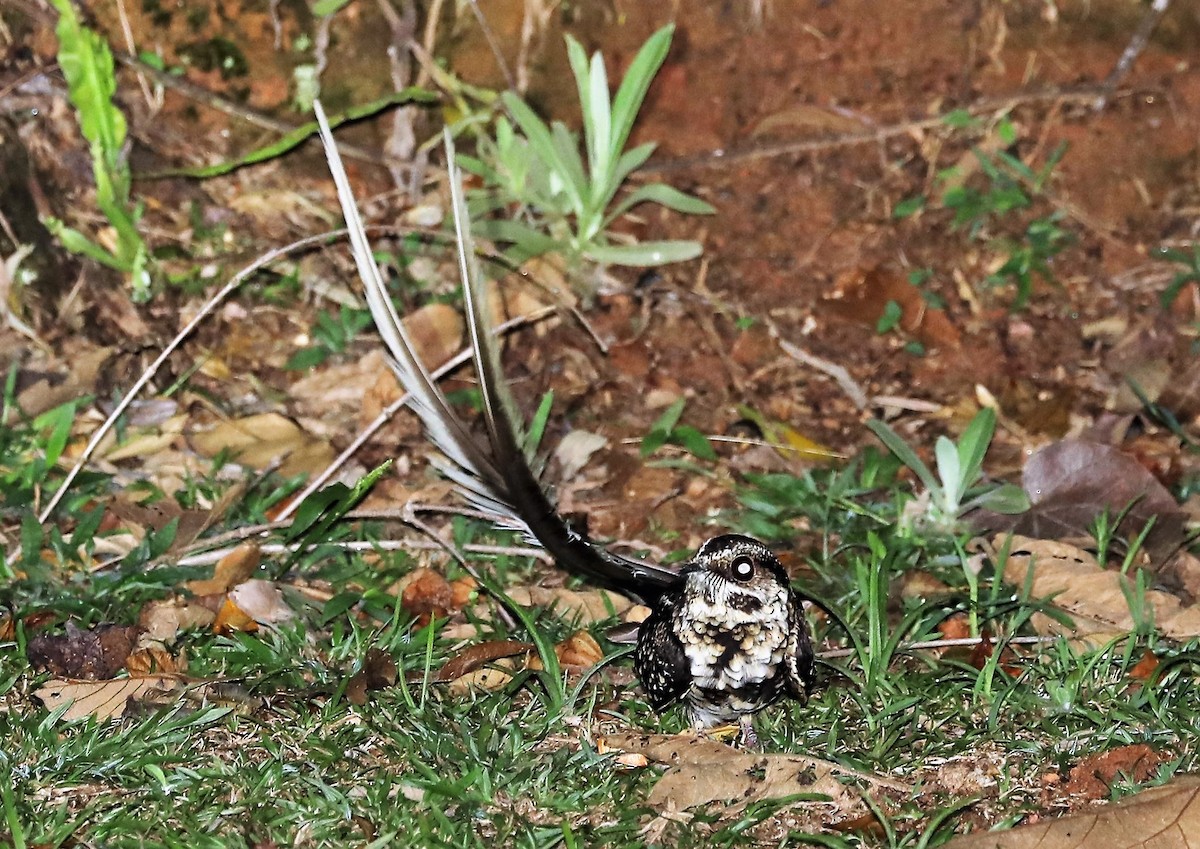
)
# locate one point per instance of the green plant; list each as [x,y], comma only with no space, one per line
[331,333]
[556,200]
[954,490]
[668,430]
[1008,186]
[87,65]
[1190,273]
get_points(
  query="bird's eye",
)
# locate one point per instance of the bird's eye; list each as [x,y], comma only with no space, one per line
[742,568]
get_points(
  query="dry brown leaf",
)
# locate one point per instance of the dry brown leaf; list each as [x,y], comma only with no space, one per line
[437,332]
[1094,597]
[489,679]
[579,650]
[234,568]
[163,619]
[1072,482]
[581,607]
[1158,818]
[96,653]
[476,656]
[106,699]
[863,295]
[574,450]
[262,440]
[702,771]
[425,595]
[262,601]
[378,671]
[232,618]
[154,660]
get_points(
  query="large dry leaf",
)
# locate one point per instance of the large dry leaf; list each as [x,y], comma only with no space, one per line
[582,608]
[96,653]
[1071,482]
[108,699]
[1094,597]
[1165,817]
[262,440]
[703,771]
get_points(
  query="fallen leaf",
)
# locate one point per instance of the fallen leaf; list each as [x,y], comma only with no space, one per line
[702,771]
[232,569]
[436,331]
[1167,816]
[1071,482]
[262,440]
[476,656]
[154,660]
[1095,598]
[163,619]
[232,618]
[96,653]
[583,607]
[106,699]
[378,671]
[262,601]
[575,449]
[862,295]
[424,594]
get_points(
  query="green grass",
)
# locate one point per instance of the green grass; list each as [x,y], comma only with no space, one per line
[284,754]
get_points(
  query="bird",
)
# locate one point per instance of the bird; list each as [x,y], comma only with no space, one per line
[726,635]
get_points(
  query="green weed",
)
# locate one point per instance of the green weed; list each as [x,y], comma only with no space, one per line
[556,200]
[87,65]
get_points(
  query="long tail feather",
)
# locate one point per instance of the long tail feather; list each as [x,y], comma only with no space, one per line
[497,476]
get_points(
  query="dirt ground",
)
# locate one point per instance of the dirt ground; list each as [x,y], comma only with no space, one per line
[804,123]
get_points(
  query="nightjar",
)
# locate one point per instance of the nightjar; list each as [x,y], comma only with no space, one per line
[730,640]
[727,635]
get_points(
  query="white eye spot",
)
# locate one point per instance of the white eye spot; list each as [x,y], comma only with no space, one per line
[742,568]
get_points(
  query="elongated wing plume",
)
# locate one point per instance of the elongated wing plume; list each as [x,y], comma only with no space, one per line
[496,475]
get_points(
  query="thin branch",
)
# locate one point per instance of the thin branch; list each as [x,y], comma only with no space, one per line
[1141,37]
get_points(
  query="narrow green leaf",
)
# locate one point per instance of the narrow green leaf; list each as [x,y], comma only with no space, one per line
[537,425]
[77,243]
[643,254]
[660,431]
[663,194]
[1008,499]
[973,445]
[694,441]
[58,421]
[542,143]
[634,86]
[946,454]
[904,453]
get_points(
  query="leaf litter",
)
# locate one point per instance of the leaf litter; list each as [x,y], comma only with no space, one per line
[158,444]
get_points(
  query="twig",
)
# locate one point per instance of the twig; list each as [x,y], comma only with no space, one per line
[928,645]
[1141,37]
[838,373]
[210,305]
[494,45]
[722,158]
